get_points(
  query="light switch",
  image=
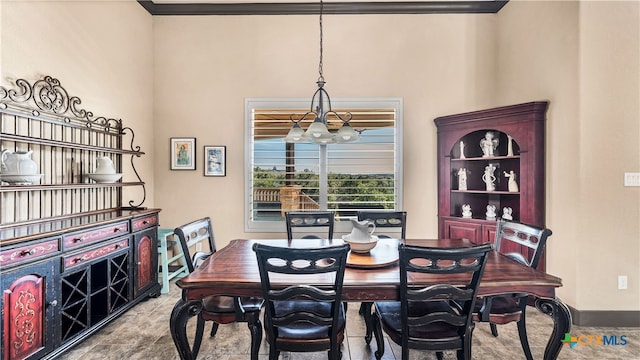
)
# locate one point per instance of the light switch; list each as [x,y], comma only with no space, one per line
[632,179]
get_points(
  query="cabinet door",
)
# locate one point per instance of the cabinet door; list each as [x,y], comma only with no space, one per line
[145,257]
[455,229]
[28,304]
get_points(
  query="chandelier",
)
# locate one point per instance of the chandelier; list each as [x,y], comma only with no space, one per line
[320,110]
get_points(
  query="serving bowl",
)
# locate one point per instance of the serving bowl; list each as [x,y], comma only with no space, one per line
[359,246]
[16,179]
[105,178]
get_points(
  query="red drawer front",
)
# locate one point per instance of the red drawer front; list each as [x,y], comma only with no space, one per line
[90,236]
[29,252]
[144,222]
[84,257]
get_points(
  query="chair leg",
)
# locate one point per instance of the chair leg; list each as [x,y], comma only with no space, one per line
[522,332]
[440,355]
[214,329]
[361,311]
[255,327]
[377,332]
[494,329]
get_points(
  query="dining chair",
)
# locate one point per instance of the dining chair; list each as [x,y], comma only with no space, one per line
[218,309]
[393,225]
[525,244]
[310,219]
[435,317]
[307,317]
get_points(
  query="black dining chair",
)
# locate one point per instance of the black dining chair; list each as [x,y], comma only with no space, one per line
[322,221]
[389,224]
[306,317]
[435,317]
[525,244]
[218,309]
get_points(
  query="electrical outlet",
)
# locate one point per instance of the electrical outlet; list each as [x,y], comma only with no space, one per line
[622,282]
[632,179]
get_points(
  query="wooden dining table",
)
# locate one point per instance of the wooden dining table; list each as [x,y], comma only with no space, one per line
[233,270]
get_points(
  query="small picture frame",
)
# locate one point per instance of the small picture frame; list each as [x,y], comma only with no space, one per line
[215,160]
[183,153]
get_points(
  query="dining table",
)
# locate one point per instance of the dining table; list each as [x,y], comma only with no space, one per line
[369,277]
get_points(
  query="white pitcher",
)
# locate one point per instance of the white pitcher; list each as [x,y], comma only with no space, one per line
[105,166]
[362,230]
[18,163]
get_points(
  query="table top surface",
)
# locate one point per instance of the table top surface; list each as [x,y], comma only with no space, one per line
[233,270]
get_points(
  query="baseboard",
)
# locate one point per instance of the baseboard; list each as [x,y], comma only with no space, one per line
[605,318]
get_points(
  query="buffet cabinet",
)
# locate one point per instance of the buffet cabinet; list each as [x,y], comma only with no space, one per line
[73,256]
[491,165]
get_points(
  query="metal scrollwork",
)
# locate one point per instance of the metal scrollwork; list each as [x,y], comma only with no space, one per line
[135,148]
[48,95]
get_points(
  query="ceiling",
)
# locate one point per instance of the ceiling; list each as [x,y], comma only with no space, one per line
[289,7]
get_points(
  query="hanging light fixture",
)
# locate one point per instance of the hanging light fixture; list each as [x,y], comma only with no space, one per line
[318,132]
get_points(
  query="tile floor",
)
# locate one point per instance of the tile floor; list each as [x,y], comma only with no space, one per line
[143,333]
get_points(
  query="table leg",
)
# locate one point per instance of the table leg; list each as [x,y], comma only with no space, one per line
[180,315]
[561,324]
[365,307]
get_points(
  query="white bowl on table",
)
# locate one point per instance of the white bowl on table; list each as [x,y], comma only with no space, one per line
[361,246]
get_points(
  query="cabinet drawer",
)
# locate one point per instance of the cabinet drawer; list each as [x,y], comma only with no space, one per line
[83,238]
[144,222]
[29,252]
[71,261]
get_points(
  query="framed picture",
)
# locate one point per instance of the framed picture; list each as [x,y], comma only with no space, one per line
[215,160]
[183,153]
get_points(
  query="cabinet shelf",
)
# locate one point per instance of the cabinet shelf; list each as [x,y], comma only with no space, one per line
[68,145]
[485,192]
[51,187]
[493,158]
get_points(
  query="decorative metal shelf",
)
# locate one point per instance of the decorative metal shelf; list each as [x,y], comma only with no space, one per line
[480,192]
[487,158]
[51,187]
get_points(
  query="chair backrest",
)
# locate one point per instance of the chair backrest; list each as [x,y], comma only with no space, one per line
[308,219]
[468,261]
[386,219]
[192,233]
[299,263]
[512,236]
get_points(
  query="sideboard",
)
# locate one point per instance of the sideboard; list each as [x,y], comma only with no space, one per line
[73,256]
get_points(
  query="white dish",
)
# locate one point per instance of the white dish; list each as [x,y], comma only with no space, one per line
[359,246]
[20,179]
[104,178]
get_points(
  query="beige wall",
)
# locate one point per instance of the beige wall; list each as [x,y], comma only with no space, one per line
[179,76]
[206,66]
[100,52]
[584,58]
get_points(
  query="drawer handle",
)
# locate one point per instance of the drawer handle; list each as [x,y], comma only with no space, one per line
[79,260]
[54,303]
[145,222]
[28,252]
[116,230]
[80,239]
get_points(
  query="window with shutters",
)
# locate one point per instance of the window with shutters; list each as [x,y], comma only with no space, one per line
[343,177]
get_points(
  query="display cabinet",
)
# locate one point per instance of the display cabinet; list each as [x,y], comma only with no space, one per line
[73,256]
[491,165]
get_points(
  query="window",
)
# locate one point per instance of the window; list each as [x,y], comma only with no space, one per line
[343,177]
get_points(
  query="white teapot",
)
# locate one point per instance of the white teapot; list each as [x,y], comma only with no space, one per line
[105,166]
[362,230]
[18,163]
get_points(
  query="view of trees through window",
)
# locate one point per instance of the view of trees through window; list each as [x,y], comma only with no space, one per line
[344,177]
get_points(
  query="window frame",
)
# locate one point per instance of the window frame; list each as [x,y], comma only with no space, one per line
[303,103]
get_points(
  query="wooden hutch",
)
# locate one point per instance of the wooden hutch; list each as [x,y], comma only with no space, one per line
[520,131]
[72,256]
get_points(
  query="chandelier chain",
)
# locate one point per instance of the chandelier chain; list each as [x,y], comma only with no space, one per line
[321,78]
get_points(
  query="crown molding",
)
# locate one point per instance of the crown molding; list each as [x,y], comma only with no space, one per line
[408,7]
